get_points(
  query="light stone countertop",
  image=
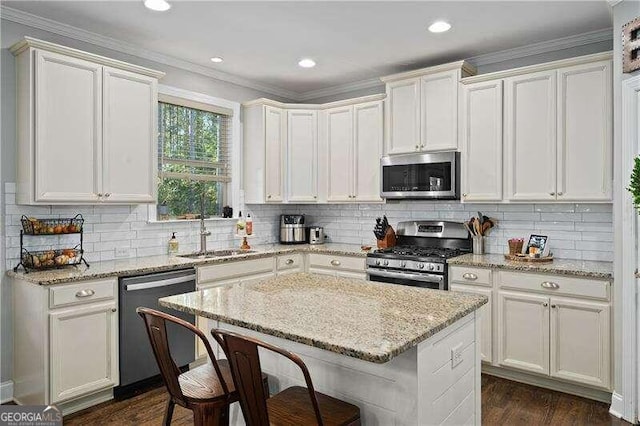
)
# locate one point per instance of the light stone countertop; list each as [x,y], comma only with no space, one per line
[578,268]
[366,320]
[150,264]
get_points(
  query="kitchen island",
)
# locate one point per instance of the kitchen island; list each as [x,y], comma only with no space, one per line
[405,356]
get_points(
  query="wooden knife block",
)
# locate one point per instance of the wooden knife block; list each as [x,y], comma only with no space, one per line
[389,239]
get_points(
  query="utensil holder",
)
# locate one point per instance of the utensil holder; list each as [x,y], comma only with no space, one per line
[478,244]
[389,239]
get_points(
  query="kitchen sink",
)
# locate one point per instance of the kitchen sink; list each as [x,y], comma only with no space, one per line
[216,253]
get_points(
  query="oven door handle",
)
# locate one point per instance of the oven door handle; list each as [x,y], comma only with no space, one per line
[427,278]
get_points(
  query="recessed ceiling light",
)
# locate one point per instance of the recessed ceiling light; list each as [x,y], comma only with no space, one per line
[307,63]
[157,5]
[439,27]
[216,59]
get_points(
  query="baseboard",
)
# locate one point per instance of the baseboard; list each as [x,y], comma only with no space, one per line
[617,405]
[548,383]
[79,404]
[6,392]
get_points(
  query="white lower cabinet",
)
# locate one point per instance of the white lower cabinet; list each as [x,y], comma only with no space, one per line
[486,321]
[523,331]
[337,266]
[83,350]
[581,341]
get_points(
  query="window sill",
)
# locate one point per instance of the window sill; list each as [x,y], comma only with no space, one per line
[211,219]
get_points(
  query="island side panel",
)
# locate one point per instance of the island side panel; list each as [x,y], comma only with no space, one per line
[385,393]
[449,375]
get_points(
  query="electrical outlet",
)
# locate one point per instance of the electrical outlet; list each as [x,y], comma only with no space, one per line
[122,252]
[456,355]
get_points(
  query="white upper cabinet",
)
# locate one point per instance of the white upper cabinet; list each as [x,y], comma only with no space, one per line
[530,136]
[67,130]
[439,111]
[368,136]
[340,153]
[481,136]
[275,143]
[86,127]
[422,109]
[130,144]
[353,150]
[585,132]
[403,116]
[557,132]
[302,153]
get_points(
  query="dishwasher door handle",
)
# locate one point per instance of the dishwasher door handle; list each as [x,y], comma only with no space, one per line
[161,283]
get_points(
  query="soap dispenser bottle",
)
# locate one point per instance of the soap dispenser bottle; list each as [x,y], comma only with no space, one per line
[173,244]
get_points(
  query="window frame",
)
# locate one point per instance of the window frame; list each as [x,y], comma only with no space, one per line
[232,189]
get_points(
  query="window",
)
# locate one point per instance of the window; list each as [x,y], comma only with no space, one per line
[194,158]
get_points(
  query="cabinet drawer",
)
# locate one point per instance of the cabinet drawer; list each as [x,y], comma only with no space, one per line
[554,284]
[337,262]
[82,292]
[291,261]
[234,269]
[473,276]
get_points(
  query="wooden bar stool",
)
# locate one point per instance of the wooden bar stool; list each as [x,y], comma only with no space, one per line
[207,390]
[293,406]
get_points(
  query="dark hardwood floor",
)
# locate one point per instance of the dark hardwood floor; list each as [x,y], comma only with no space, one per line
[503,403]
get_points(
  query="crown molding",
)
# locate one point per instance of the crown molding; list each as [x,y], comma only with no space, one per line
[543,47]
[334,104]
[341,88]
[121,46]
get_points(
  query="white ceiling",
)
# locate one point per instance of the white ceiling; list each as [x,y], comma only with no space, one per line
[350,41]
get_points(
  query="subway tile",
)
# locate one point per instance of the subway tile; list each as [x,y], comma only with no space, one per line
[555,208]
[554,226]
[594,208]
[597,255]
[597,217]
[561,217]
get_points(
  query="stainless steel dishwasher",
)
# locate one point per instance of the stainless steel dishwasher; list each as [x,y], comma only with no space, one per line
[138,366]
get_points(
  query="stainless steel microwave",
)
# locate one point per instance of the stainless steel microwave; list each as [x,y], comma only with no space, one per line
[433,176]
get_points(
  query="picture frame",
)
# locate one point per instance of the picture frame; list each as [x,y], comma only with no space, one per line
[540,242]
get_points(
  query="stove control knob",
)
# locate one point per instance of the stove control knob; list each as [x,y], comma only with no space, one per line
[421,265]
[377,263]
[403,264]
[431,267]
[385,263]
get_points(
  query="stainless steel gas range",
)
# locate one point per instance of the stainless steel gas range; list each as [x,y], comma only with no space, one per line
[420,256]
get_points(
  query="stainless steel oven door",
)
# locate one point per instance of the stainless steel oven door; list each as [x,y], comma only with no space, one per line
[416,279]
[433,176]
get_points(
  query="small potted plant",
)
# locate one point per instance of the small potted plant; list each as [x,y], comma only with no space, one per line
[634,185]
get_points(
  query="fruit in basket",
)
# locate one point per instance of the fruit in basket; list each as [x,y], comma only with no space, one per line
[48,263]
[57,229]
[71,253]
[72,228]
[34,261]
[62,259]
[50,230]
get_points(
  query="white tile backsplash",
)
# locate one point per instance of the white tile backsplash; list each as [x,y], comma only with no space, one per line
[577,231]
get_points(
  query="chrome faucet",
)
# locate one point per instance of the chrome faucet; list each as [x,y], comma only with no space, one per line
[203,229]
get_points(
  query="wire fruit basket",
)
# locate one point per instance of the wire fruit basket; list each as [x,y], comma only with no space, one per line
[34,226]
[51,259]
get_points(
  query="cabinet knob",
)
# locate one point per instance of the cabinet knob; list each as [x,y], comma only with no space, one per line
[268,196]
[335,262]
[560,193]
[114,310]
[288,261]
[417,147]
[552,193]
[545,304]
[422,146]
[99,194]
[554,306]
[315,196]
[464,195]
[108,194]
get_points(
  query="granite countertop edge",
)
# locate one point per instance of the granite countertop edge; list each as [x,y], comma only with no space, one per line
[168,263]
[577,268]
[351,352]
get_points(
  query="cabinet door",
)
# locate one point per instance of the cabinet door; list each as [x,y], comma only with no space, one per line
[84,350]
[367,145]
[68,129]
[403,116]
[523,332]
[130,143]
[482,141]
[530,136]
[339,133]
[302,152]
[581,341]
[439,111]
[275,144]
[585,133]
[486,326]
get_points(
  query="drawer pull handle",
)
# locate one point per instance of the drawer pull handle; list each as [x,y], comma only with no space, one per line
[545,304]
[554,306]
[85,293]
[114,310]
[469,276]
[549,284]
[289,262]
[335,262]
